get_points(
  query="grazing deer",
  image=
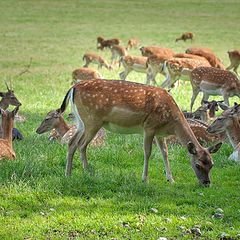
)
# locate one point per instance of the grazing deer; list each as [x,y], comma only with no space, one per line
[85,74]
[128,108]
[213,81]
[152,50]
[185,36]
[102,43]
[208,54]
[55,123]
[229,121]
[132,42]
[132,63]
[96,59]
[7,121]
[234,57]
[117,52]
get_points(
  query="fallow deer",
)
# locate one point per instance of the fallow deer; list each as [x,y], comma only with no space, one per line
[152,50]
[128,108]
[132,42]
[102,43]
[213,81]
[132,63]
[96,59]
[60,130]
[85,74]
[234,57]
[208,54]
[7,121]
[185,36]
[229,121]
[117,52]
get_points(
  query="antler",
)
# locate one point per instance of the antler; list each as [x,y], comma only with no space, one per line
[7,86]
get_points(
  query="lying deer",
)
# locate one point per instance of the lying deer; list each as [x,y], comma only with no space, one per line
[96,59]
[132,63]
[185,36]
[229,121]
[102,43]
[132,42]
[85,74]
[152,50]
[128,108]
[213,81]
[117,52]
[208,54]
[60,130]
[7,121]
[234,57]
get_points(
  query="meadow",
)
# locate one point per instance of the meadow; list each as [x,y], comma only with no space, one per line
[109,201]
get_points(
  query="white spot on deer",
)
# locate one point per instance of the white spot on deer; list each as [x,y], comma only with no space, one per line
[126,91]
[102,95]
[115,90]
[114,102]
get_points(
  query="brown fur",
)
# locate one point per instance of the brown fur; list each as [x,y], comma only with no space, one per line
[85,74]
[153,50]
[185,36]
[97,59]
[117,52]
[234,57]
[132,42]
[102,43]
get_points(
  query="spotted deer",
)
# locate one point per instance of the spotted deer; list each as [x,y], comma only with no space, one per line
[7,121]
[95,59]
[117,52]
[185,36]
[132,63]
[128,108]
[60,130]
[234,57]
[132,42]
[229,121]
[152,50]
[213,81]
[208,54]
[107,43]
[85,74]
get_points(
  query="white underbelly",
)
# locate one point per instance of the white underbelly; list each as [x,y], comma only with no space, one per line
[139,68]
[123,130]
[211,89]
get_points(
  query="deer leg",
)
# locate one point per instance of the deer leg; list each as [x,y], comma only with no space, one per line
[235,69]
[230,66]
[194,95]
[226,99]
[86,64]
[124,74]
[164,149]
[148,138]
[204,98]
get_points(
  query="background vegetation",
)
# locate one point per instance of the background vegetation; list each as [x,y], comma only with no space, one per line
[109,201]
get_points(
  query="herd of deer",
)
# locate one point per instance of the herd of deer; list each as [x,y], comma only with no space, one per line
[127,107]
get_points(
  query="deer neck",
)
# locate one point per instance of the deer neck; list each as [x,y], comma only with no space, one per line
[184,132]
[62,127]
[7,131]
[233,133]
[3,104]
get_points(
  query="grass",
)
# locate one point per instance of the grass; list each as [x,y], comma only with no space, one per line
[109,201]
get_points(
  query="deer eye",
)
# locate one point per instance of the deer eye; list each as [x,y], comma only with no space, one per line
[198,166]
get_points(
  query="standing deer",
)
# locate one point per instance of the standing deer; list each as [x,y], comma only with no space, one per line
[85,74]
[7,121]
[117,52]
[152,50]
[102,43]
[185,36]
[96,59]
[132,42]
[229,121]
[213,81]
[128,108]
[132,63]
[234,57]
[55,123]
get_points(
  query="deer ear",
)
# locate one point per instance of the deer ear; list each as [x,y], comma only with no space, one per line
[2,94]
[191,148]
[215,148]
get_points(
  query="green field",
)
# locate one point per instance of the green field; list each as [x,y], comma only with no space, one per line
[109,201]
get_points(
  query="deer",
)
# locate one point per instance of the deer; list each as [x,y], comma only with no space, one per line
[117,52]
[152,50]
[132,63]
[130,108]
[132,42]
[96,59]
[60,130]
[213,81]
[208,54]
[229,121]
[185,36]
[234,57]
[102,43]
[85,74]
[7,121]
